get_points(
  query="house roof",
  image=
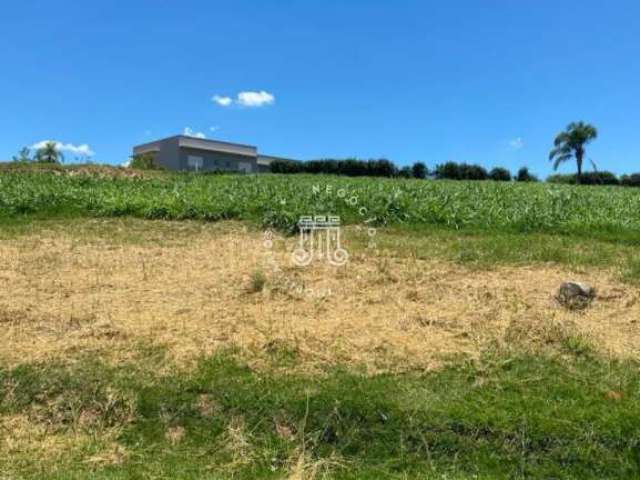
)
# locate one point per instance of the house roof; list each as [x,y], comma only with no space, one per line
[200,144]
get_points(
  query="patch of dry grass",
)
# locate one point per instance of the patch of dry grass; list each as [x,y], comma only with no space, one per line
[61,294]
[26,441]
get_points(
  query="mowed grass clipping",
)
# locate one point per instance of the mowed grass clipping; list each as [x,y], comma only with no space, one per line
[499,417]
[278,201]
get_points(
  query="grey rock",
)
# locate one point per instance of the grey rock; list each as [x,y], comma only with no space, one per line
[575,295]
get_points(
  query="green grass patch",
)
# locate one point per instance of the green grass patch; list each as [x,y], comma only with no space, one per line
[500,417]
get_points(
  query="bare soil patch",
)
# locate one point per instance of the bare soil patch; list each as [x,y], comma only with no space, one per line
[62,295]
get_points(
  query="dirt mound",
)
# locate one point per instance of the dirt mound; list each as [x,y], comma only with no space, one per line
[102,171]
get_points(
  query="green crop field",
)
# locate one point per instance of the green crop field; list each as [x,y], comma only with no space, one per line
[279,201]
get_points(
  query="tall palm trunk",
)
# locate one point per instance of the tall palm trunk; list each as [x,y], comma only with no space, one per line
[579,157]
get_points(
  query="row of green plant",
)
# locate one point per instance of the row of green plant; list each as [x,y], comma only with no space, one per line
[279,201]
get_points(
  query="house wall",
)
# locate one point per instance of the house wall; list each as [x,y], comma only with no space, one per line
[173,154]
[217,161]
[165,152]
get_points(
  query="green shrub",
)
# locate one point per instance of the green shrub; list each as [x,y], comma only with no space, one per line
[588,178]
[405,172]
[562,179]
[632,180]
[144,161]
[500,174]
[419,170]
[350,167]
[524,176]
[461,171]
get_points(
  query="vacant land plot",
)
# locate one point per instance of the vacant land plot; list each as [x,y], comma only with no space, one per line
[137,348]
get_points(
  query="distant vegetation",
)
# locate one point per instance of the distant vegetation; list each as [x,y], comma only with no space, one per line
[48,153]
[589,178]
[350,167]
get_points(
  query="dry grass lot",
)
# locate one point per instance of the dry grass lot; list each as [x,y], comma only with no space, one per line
[104,286]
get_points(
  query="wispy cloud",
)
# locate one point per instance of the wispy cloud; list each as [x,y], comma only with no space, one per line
[247,99]
[83,149]
[214,128]
[191,133]
[516,143]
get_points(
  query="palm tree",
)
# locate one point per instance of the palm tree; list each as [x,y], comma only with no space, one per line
[49,153]
[571,143]
[23,155]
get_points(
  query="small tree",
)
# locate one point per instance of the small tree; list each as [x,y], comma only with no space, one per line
[419,170]
[405,172]
[524,176]
[24,155]
[448,170]
[571,144]
[49,153]
[500,174]
[632,180]
[143,161]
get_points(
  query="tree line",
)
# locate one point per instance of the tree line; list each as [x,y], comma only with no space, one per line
[567,145]
[353,167]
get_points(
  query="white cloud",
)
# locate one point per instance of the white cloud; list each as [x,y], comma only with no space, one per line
[214,128]
[516,143]
[222,100]
[247,99]
[83,150]
[190,133]
[255,99]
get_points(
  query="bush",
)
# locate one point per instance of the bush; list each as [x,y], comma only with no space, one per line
[419,170]
[461,171]
[589,178]
[405,172]
[449,170]
[524,176]
[500,174]
[143,161]
[285,166]
[599,178]
[632,180]
[350,167]
[562,179]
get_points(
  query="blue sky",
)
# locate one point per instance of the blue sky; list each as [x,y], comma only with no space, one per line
[482,81]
